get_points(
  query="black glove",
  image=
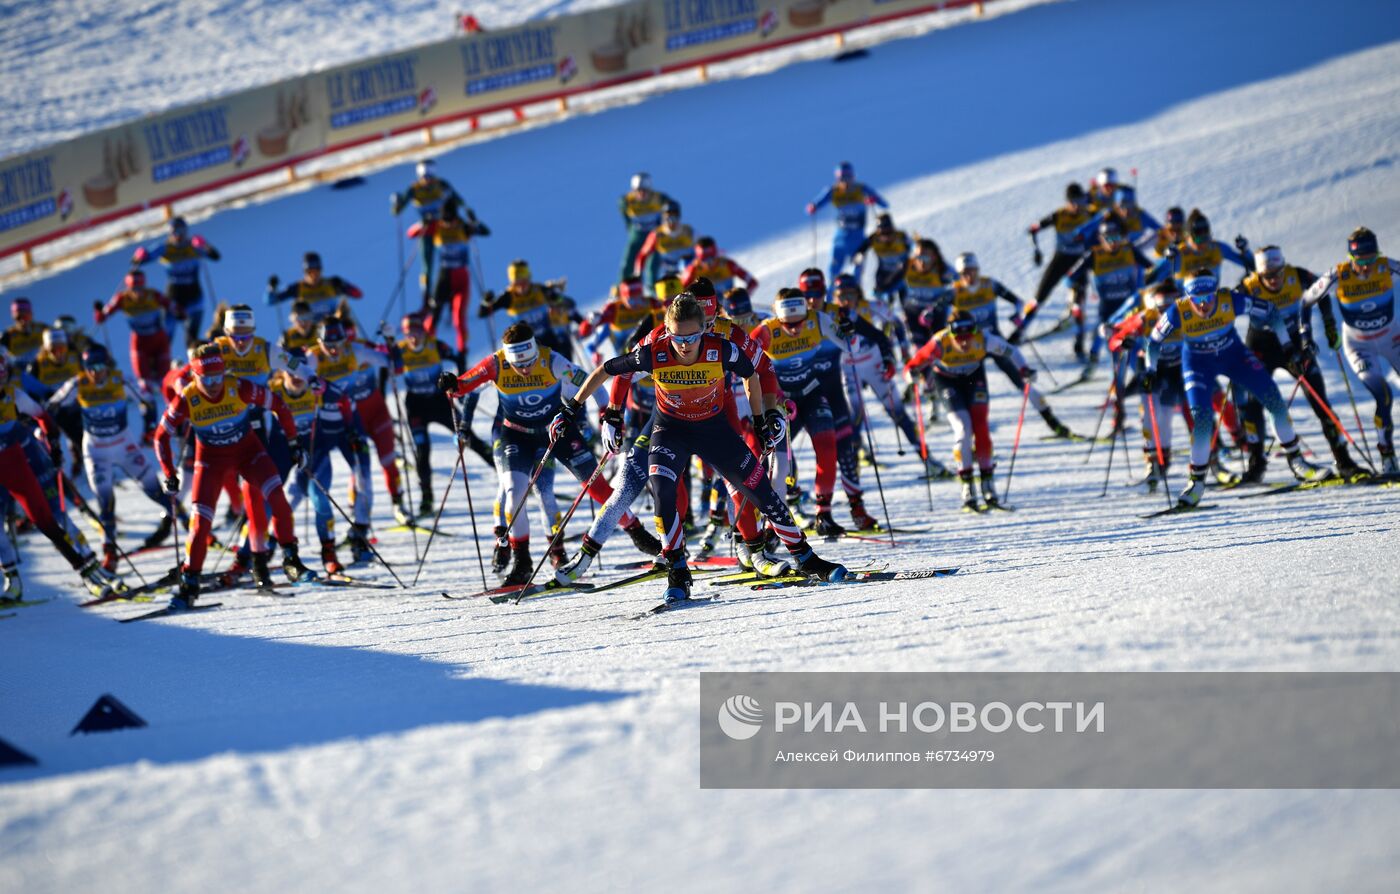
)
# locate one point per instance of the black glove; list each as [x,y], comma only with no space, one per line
[845,326]
[567,417]
[56,455]
[488,304]
[1171,250]
[1300,354]
[1037,257]
[1027,374]
[612,430]
[298,456]
[447,381]
[1242,245]
[774,430]
[273,282]
[172,484]
[480,228]
[1016,335]
[1148,381]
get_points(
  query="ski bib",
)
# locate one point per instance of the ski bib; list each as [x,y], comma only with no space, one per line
[529,399]
[421,366]
[217,423]
[1367,303]
[957,358]
[1288,299]
[103,406]
[1208,333]
[253,366]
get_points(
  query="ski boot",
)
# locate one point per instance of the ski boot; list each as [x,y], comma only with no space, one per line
[642,539]
[185,596]
[262,575]
[1223,476]
[813,565]
[1388,464]
[557,555]
[577,567]
[292,565]
[1298,464]
[1059,428]
[14,586]
[678,581]
[862,520]
[235,571]
[1190,496]
[161,532]
[1255,465]
[520,565]
[500,553]
[936,470]
[99,582]
[359,544]
[717,526]
[826,526]
[109,557]
[752,558]
[1153,478]
[989,490]
[1346,466]
[969,493]
[401,514]
[329,560]
[1079,347]
[425,505]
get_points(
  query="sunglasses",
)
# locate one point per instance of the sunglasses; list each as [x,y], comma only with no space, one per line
[209,383]
[1364,260]
[685,341]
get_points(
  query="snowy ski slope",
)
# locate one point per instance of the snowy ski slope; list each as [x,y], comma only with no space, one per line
[364,740]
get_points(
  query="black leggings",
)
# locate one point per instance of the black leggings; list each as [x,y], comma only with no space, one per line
[674,441]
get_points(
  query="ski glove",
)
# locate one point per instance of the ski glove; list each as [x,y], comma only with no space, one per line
[1242,245]
[139,256]
[298,456]
[1334,337]
[273,282]
[772,427]
[613,433]
[488,304]
[172,484]
[1148,381]
[1027,374]
[97,312]
[887,371]
[1037,257]
[569,412]
[447,381]
[845,326]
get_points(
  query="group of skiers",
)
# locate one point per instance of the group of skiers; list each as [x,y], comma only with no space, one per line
[696,371]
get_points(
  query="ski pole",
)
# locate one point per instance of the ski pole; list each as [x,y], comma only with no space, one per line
[923,442]
[399,425]
[398,289]
[1103,410]
[1016,443]
[325,493]
[1112,448]
[1330,415]
[534,476]
[1043,365]
[471,510]
[814,242]
[1157,442]
[175,544]
[564,523]
[1366,443]
[476,279]
[442,504]
[870,444]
